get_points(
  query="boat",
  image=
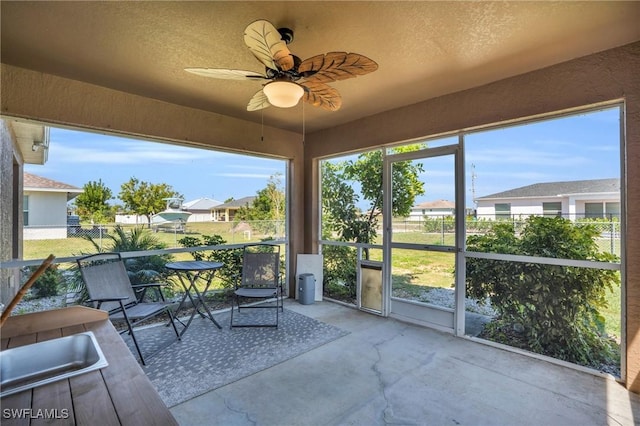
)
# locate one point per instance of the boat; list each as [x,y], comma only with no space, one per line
[172,218]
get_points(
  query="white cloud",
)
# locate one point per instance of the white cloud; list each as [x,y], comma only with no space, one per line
[244,175]
[122,154]
[244,166]
[516,157]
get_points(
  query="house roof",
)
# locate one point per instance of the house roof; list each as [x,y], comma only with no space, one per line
[42,184]
[201,204]
[554,189]
[438,204]
[236,204]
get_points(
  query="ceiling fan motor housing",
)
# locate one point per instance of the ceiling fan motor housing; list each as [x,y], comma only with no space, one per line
[286,34]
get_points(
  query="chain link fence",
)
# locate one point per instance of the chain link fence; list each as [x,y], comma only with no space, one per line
[441,229]
[72,240]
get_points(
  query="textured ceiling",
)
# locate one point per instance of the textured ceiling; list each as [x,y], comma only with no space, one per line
[424,49]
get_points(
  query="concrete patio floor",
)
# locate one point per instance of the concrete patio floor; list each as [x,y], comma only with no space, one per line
[390,372]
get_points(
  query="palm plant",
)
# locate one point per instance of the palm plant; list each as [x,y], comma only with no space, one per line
[141,270]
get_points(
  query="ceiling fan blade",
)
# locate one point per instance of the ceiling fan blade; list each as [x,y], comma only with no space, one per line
[266,44]
[321,95]
[334,66]
[258,101]
[226,74]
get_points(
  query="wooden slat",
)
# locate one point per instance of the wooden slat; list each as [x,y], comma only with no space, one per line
[132,393]
[15,403]
[91,397]
[22,400]
[25,339]
[92,400]
[48,320]
[120,394]
[54,397]
[56,402]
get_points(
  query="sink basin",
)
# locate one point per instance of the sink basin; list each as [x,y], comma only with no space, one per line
[29,366]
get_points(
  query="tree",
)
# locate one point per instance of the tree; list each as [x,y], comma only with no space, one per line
[268,206]
[549,309]
[92,203]
[339,199]
[145,198]
[231,259]
[343,220]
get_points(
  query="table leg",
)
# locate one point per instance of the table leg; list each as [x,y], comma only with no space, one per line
[201,300]
[184,297]
[187,293]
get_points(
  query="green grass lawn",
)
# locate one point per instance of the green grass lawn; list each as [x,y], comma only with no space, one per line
[612,312]
[40,249]
[76,246]
[413,271]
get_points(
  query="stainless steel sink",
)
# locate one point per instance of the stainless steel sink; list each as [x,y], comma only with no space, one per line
[29,366]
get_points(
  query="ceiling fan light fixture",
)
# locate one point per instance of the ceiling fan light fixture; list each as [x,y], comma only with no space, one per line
[283,94]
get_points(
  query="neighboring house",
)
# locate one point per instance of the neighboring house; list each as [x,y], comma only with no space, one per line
[44,207]
[200,209]
[226,212]
[437,208]
[597,198]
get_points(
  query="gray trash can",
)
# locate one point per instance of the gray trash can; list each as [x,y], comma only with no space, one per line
[306,289]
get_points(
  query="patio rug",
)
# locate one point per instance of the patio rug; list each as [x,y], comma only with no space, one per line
[207,358]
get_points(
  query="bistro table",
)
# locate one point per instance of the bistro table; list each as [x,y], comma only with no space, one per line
[188,272]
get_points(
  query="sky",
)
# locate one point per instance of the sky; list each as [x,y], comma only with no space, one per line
[76,158]
[576,147]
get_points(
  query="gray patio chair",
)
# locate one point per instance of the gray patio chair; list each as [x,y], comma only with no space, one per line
[259,280]
[109,289]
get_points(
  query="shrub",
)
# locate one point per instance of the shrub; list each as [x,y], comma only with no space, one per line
[439,224]
[552,309]
[141,270]
[47,284]
[339,272]
[230,258]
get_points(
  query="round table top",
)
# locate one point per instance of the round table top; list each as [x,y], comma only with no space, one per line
[193,265]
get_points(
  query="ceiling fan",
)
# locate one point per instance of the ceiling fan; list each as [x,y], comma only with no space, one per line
[289,77]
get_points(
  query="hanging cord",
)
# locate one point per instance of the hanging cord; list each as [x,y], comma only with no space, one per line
[303,124]
[262,125]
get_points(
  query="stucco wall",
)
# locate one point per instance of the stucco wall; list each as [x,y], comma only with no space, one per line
[51,99]
[596,78]
[6,190]
[602,77]
[9,244]
[47,208]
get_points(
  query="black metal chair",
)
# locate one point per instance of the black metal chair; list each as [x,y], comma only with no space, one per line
[109,289]
[259,280]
